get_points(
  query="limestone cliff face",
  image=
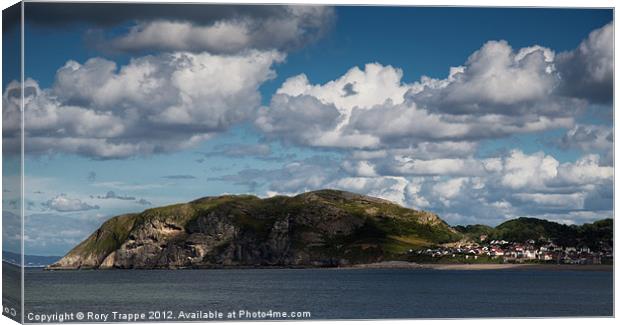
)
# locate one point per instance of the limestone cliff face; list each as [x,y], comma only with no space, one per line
[321,228]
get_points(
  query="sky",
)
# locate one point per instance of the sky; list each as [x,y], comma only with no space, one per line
[479,115]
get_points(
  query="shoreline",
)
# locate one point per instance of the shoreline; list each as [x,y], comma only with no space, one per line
[546,267]
[393,265]
[485,266]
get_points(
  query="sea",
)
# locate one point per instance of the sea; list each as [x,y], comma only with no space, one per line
[221,294]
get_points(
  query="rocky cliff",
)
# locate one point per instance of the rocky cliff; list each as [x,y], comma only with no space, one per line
[314,229]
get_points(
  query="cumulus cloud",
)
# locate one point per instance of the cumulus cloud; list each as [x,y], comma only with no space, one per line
[413,143]
[153,104]
[394,189]
[488,190]
[365,88]
[417,143]
[528,171]
[298,119]
[597,139]
[448,189]
[521,184]
[499,91]
[495,79]
[286,28]
[586,171]
[64,203]
[587,71]
[320,172]
[177,88]
[362,168]
[386,113]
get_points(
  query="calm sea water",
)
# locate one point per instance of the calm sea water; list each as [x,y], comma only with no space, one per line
[326,293]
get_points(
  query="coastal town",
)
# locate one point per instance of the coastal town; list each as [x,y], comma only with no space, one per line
[502,251]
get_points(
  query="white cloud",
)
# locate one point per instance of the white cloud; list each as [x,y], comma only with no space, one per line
[388,188]
[427,134]
[414,144]
[222,36]
[359,168]
[471,190]
[294,176]
[528,171]
[374,85]
[597,139]
[447,190]
[285,28]
[153,104]
[572,201]
[495,79]
[374,109]
[498,92]
[585,171]
[174,88]
[297,119]
[63,203]
[414,194]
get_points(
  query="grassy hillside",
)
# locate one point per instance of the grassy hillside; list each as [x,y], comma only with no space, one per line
[320,225]
[107,238]
[474,232]
[324,228]
[593,235]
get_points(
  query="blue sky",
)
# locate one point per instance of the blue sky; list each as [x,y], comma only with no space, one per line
[158,107]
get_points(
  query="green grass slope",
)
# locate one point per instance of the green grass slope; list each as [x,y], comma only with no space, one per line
[330,223]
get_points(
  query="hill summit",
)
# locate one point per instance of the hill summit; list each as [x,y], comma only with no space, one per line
[313,229]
